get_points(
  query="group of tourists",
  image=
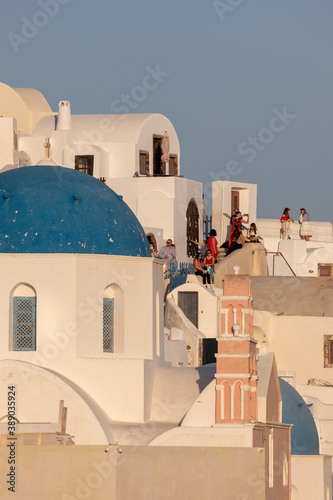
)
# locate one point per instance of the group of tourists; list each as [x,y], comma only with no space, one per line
[206,258]
[304,231]
[237,238]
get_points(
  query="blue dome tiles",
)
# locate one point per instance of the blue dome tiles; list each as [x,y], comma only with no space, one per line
[304,435]
[52,209]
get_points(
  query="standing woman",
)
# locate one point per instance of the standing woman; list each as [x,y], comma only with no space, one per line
[305,226]
[212,244]
[202,247]
[285,223]
[209,263]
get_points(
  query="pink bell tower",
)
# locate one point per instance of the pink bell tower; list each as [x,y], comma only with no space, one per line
[236,359]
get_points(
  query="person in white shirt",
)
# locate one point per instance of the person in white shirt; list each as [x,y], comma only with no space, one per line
[168,252]
[305,231]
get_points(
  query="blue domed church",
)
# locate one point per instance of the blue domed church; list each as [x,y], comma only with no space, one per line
[81,301]
[51,209]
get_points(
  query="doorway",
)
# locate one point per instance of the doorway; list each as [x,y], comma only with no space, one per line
[234,201]
[192,228]
[158,165]
[188,303]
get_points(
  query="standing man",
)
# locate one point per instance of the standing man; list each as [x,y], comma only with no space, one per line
[167,252]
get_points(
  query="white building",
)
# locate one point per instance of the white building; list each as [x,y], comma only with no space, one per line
[82,299]
[226,196]
[137,155]
[79,289]
[285,257]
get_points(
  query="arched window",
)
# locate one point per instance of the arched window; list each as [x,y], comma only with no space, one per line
[108,325]
[226,401]
[152,240]
[192,230]
[238,401]
[23,318]
[113,319]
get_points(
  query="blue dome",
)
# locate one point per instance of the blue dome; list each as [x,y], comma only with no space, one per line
[304,436]
[51,209]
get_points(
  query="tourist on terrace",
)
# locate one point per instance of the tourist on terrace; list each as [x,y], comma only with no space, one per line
[237,242]
[209,263]
[212,244]
[153,251]
[199,270]
[202,247]
[285,224]
[168,252]
[252,236]
[305,226]
[236,223]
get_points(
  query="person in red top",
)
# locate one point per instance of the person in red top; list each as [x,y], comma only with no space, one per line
[212,244]
[285,223]
[236,223]
[209,265]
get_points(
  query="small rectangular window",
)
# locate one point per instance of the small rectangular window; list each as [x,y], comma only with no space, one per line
[324,270]
[85,164]
[108,325]
[24,323]
[328,351]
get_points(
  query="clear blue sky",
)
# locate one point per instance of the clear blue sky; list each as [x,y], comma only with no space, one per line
[226,71]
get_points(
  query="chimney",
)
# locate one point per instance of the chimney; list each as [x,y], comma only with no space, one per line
[64,116]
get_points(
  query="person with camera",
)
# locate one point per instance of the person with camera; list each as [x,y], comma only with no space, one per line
[236,223]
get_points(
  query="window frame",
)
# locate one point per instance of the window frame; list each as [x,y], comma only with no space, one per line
[328,351]
[325,267]
[108,325]
[17,302]
[87,169]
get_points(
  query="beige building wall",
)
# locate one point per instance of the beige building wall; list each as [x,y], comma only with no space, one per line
[8,141]
[287,336]
[134,473]
[311,477]
[277,456]
[251,259]
[69,324]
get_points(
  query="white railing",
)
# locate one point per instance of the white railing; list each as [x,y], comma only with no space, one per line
[278,265]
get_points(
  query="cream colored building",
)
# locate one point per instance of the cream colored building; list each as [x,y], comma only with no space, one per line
[82,320]
[27,106]
[240,446]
